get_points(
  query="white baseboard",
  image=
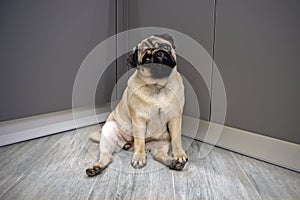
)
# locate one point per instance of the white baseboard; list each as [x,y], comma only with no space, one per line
[275,151]
[41,125]
[265,148]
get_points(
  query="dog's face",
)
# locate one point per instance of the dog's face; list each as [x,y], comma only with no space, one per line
[154,57]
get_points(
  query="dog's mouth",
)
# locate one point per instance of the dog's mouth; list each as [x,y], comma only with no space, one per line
[159,62]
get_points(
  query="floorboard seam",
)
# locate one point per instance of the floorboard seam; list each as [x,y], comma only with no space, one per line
[106,194]
[173,183]
[12,185]
[26,172]
[150,183]
[244,173]
[119,189]
[92,188]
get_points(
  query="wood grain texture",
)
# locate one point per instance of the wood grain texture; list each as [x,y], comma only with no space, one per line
[54,168]
[270,181]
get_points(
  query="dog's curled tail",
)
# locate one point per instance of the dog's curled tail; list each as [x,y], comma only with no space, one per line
[95,136]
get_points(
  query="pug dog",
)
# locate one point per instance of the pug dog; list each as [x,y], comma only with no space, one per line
[148,117]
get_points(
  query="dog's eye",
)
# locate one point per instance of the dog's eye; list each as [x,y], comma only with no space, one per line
[146,59]
[166,47]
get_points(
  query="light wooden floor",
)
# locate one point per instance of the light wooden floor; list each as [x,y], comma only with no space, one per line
[54,168]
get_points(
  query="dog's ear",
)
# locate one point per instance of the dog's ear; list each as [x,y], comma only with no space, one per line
[167,37]
[132,60]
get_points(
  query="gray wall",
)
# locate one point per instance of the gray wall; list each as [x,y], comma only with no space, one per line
[42,46]
[257,51]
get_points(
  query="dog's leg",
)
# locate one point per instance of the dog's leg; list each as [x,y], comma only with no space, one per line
[109,143]
[139,156]
[174,126]
[159,151]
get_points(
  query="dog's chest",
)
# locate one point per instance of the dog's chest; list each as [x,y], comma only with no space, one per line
[157,106]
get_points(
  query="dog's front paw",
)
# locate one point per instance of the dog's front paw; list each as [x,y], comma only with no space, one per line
[180,156]
[138,161]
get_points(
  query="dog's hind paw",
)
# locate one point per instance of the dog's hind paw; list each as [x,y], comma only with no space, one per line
[177,165]
[94,171]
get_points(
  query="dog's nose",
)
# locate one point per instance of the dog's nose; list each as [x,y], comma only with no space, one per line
[159,54]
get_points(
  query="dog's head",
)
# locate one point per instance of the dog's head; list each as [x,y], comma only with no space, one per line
[154,57]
